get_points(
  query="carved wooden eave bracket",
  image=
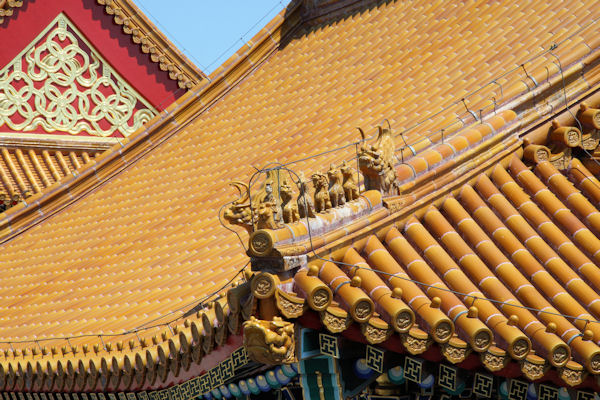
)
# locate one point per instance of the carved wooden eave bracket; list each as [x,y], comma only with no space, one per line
[376,330]
[534,367]
[416,341]
[495,359]
[456,350]
[335,319]
[318,297]
[290,305]
[572,373]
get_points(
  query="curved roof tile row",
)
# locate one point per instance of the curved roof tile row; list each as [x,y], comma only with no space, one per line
[504,264]
[145,238]
[26,172]
[158,355]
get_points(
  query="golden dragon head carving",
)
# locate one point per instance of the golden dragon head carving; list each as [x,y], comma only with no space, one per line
[269,342]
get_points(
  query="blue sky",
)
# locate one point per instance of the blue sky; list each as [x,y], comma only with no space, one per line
[208,32]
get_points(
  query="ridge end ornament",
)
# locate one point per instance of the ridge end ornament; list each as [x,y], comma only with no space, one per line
[376,163]
[269,342]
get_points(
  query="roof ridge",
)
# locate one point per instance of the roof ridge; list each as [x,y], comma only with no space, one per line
[273,31]
[192,103]
[319,11]
[152,41]
[231,73]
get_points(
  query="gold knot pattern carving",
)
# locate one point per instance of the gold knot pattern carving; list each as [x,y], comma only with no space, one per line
[60,83]
[454,354]
[443,331]
[520,347]
[320,298]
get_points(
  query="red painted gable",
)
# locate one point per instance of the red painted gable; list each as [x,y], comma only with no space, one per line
[125,57]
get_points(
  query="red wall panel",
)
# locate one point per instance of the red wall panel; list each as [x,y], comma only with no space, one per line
[106,36]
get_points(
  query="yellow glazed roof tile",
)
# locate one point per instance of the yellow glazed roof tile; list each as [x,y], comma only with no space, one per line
[164,193]
[25,172]
[483,258]
[147,239]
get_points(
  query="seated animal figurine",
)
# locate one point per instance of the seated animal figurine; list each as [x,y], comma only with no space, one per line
[322,200]
[336,191]
[349,182]
[288,207]
[306,207]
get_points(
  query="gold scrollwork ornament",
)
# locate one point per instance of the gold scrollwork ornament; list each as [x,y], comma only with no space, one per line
[57,85]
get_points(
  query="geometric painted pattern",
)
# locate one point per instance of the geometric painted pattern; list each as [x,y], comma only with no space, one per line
[328,345]
[517,390]
[413,369]
[61,83]
[374,358]
[447,377]
[483,385]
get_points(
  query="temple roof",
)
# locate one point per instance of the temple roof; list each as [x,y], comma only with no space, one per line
[480,263]
[135,234]
[152,41]
[40,121]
